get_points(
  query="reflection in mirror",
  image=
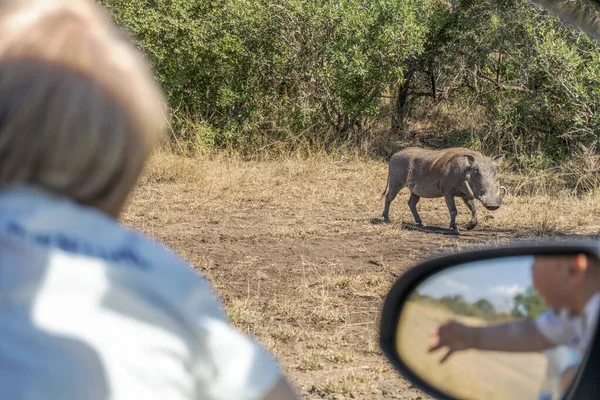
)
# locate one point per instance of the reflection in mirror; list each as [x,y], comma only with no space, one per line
[506,328]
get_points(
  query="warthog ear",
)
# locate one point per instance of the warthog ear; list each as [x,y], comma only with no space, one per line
[499,159]
[470,159]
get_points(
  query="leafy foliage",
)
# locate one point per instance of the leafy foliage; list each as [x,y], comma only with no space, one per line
[249,66]
[482,308]
[279,70]
[528,305]
[536,78]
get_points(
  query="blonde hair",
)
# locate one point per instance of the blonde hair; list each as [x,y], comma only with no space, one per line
[80,111]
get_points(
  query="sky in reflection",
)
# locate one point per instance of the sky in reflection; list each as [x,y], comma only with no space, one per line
[497,280]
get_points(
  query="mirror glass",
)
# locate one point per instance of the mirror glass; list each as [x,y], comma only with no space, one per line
[505,328]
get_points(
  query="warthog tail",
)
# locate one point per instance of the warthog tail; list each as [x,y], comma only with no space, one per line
[387,185]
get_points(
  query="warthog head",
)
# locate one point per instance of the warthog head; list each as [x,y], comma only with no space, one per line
[482,182]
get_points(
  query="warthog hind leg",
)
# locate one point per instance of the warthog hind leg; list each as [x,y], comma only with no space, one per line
[391,195]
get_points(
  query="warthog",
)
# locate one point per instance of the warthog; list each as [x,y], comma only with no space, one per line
[449,173]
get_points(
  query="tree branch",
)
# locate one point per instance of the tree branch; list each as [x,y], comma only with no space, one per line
[421,94]
[498,67]
[500,86]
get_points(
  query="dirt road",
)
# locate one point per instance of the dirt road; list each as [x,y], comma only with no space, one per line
[295,249]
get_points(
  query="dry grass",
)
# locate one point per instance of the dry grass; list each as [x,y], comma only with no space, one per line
[294,248]
[469,374]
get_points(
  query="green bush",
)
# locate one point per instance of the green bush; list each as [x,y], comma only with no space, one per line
[252,72]
[246,67]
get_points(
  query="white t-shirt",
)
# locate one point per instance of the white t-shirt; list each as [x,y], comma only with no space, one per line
[92,310]
[576,331]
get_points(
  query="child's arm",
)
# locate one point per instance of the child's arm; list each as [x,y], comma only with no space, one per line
[522,336]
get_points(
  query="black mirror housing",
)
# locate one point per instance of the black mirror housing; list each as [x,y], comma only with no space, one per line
[586,384]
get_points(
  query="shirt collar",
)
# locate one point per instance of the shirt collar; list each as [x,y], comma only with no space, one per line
[36,216]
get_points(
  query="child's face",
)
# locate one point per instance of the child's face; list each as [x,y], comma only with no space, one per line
[556,278]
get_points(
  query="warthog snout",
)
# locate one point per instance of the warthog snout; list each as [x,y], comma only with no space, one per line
[493,203]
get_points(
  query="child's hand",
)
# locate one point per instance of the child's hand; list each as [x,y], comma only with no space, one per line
[453,335]
[567,377]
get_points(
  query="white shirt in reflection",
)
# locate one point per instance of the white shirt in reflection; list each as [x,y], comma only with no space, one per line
[562,328]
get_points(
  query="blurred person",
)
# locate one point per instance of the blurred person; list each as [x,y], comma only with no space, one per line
[88,308]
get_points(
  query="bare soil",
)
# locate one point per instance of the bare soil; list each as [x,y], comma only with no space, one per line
[298,253]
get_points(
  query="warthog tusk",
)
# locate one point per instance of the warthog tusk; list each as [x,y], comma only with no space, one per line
[469,189]
[503,189]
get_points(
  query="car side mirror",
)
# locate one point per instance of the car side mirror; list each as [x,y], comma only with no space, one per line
[441,319]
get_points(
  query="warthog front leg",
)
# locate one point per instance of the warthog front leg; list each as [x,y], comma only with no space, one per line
[412,204]
[471,204]
[452,209]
